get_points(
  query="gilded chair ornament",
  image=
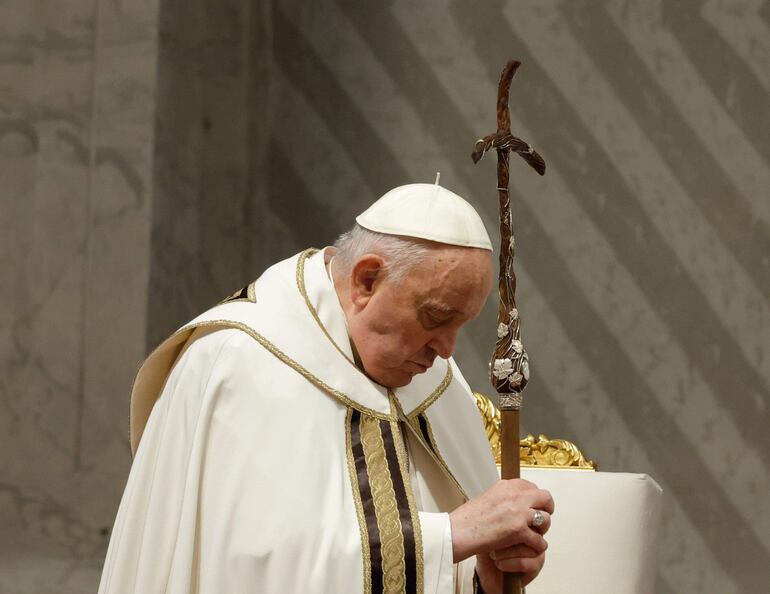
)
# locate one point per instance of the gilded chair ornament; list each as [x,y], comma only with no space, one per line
[541,452]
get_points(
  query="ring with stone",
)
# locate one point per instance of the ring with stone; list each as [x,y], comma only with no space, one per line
[538,519]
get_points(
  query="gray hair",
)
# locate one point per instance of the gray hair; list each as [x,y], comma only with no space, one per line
[400,253]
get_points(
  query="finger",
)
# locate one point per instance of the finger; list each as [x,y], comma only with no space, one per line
[518,550]
[524,565]
[528,577]
[520,484]
[541,499]
[533,540]
[545,523]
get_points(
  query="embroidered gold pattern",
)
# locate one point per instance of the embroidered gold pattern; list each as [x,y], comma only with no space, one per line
[385,507]
[365,551]
[284,358]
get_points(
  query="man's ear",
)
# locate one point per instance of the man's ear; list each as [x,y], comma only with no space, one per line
[364,279]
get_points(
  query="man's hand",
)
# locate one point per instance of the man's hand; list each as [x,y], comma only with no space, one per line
[500,519]
[518,559]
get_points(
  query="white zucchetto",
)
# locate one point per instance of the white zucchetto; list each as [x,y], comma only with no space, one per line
[427,211]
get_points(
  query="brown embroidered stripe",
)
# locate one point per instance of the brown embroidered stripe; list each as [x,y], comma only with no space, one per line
[367,504]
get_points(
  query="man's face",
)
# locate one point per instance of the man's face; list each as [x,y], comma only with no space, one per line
[399,328]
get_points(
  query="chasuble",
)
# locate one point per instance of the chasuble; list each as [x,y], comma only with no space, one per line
[266,461]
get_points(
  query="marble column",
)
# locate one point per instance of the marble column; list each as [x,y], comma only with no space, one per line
[77,100]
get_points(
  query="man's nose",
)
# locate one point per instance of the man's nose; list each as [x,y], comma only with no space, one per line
[444,343]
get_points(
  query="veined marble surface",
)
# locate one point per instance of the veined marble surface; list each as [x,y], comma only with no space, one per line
[77,100]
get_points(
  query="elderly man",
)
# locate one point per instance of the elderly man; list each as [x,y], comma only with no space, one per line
[312,433]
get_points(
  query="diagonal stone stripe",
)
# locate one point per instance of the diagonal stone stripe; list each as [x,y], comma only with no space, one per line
[741,26]
[728,76]
[717,198]
[640,25]
[302,65]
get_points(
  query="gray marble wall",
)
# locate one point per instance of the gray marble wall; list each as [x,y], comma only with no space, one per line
[77,101]
[129,205]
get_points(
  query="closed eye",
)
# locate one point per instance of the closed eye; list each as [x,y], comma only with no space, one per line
[433,320]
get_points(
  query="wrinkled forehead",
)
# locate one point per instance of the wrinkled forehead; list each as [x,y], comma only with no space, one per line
[462,262]
[450,273]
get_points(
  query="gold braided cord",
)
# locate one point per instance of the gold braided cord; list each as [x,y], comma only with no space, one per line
[365,551]
[284,358]
[385,506]
[300,275]
[435,395]
[251,295]
[437,450]
[403,464]
[414,425]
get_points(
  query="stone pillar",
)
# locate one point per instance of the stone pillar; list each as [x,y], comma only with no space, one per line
[77,103]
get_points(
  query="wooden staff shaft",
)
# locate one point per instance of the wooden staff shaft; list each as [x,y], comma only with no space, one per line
[511,464]
[511,468]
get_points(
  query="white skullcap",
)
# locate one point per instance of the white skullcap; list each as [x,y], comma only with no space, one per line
[427,211]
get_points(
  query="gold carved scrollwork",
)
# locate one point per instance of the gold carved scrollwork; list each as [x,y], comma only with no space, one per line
[552,453]
[491,417]
[541,452]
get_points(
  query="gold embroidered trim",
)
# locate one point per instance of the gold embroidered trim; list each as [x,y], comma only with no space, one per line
[431,437]
[414,426]
[440,389]
[434,443]
[385,506]
[284,358]
[251,295]
[303,291]
[365,551]
[403,463]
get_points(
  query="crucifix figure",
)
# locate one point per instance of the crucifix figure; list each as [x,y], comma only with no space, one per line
[510,364]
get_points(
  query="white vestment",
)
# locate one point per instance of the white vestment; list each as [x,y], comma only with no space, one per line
[270,463]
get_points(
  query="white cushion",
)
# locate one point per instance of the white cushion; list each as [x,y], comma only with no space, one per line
[604,531]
